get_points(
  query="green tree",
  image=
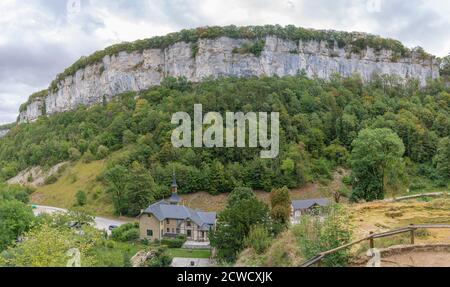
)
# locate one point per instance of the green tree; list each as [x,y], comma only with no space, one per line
[442,160]
[376,154]
[280,212]
[258,239]
[117,178]
[47,246]
[239,194]
[139,190]
[15,192]
[15,219]
[234,224]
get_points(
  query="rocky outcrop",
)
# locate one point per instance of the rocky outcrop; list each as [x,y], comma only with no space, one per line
[218,57]
[36,176]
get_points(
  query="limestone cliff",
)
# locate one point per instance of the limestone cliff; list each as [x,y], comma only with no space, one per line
[221,56]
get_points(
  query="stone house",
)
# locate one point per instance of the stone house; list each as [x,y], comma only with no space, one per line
[310,206]
[169,218]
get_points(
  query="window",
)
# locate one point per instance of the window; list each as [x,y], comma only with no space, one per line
[188,223]
[168,221]
[168,230]
[173,230]
[149,233]
[189,233]
[178,231]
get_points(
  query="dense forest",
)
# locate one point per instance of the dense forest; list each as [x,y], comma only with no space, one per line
[389,133]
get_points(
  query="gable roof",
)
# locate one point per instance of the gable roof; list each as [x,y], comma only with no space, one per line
[305,204]
[164,210]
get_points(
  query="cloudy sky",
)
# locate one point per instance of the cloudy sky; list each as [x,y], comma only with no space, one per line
[39,38]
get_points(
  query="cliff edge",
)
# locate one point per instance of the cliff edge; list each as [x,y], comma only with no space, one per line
[227,51]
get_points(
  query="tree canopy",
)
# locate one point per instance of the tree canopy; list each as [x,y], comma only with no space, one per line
[376,161]
[319,120]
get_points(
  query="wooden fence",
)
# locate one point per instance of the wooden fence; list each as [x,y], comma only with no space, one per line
[316,260]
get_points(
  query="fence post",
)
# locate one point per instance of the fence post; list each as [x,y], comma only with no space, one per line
[413,233]
[372,243]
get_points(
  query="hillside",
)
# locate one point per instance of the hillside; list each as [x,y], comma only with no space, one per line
[213,52]
[129,138]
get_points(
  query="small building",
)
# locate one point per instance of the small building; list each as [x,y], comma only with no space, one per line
[310,206]
[169,218]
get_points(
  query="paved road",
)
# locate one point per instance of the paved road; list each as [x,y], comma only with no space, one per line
[101,223]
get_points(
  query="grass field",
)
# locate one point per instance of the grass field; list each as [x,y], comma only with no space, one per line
[190,253]
[76,177]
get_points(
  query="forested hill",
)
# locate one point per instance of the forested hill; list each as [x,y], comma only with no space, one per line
[319,122]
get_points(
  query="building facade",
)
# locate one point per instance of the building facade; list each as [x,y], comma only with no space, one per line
[169,219]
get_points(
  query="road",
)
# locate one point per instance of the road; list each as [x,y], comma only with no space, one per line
[101,223]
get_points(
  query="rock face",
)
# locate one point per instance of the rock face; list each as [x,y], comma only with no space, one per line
[137,71]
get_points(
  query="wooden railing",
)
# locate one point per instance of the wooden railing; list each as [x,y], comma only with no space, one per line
[316,260]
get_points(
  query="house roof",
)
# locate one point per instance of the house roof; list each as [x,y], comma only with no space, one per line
[164,210]
[305,204]
[174,198]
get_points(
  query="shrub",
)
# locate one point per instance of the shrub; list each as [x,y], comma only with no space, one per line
[347,180]
[51,179]
[259,239]
[81,198]
[74,154]
[102,152]
[255,48]
[394,213]
[337,153]
[125,233]
[173,242]
[88,157]
[345,192]
[316,235]
[161,258]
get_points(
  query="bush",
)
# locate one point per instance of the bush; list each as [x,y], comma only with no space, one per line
[102,152]
[345,192]
[255,48]
[258,239]
[126,233]
[81,198]
[347,180]
[316,235]
[88,157]
[74,154]
[173,242]
[51,179]
[161,258]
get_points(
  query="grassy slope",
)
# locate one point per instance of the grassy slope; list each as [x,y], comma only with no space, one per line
[78,176]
